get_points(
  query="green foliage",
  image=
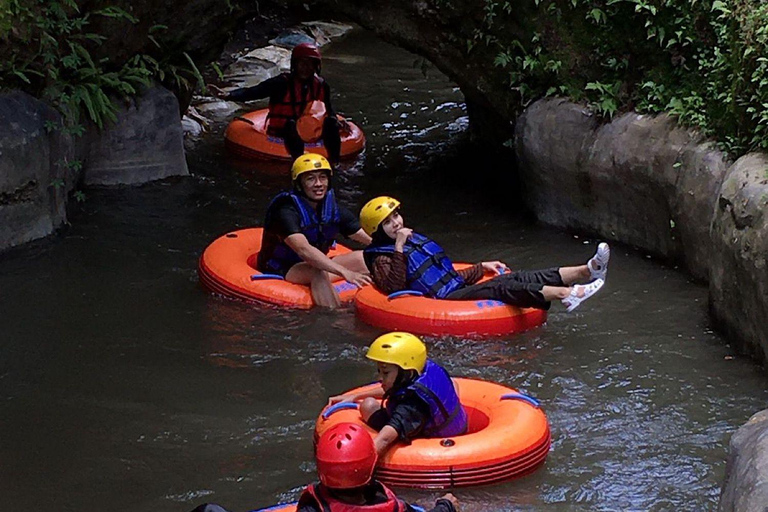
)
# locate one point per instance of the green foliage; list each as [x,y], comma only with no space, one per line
[704,61]
[50,47]
[50,56]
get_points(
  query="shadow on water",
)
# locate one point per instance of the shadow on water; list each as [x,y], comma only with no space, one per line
[124,385]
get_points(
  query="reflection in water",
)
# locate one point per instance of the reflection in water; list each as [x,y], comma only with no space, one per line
[124,385]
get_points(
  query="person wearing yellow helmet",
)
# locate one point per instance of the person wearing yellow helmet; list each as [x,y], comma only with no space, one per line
[289,95]
[417,397]
[300,228]
[400,259]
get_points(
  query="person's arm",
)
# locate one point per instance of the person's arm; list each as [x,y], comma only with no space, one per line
[472,274]
[390,272]
[406,422]
[315,257]
[328,106]
[374,392]
[445,503]
[265,89]
[386,437]
[349,226]
[360,237]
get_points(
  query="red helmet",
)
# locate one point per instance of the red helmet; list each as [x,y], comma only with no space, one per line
[305,51]
[345,456]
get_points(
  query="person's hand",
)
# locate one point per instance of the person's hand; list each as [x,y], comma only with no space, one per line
[401,237]
[339,398]
[450,497]
[356,278]
[218,92]
[344,126]
[494,266]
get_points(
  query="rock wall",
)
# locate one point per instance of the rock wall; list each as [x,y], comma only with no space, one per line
[746,474]
[738,288]
[35,177]
[145,144]
[643,180]
[40,165]
[640,179]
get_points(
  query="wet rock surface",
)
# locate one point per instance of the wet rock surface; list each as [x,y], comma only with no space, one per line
[145,144]
[35,170]
[746,474]
[738,287]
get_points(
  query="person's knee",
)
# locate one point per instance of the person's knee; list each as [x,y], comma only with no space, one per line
[320,277]
[368,407]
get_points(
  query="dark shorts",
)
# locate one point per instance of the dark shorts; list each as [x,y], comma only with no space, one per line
[521,289]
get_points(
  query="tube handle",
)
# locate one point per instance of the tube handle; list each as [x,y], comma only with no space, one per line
[257,277]
[521,396]
[338,407]
[404,293]
[245,120]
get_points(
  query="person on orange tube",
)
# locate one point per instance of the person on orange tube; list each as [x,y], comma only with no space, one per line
[417,397]
[346,458]
[300,228]
[400,259]
[289,96]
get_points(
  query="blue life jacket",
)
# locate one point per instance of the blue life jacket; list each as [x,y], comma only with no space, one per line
[275,256]
[447,416]
[429,269]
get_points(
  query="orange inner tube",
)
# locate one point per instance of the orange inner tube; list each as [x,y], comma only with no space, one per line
[228,265]
[246,136]
[422,315]
[288,507]
[508,438]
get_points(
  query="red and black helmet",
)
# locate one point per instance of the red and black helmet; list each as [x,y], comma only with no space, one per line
[345,456]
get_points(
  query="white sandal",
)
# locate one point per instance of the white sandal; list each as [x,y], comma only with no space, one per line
[598,264]
[573,301]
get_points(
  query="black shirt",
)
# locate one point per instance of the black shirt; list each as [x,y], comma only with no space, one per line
[409,415]
[285,220]
[275,88]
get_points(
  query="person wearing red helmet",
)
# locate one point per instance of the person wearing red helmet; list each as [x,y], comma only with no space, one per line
[346,457]
[289,95]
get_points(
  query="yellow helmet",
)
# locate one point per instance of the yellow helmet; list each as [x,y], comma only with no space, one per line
[375,211]
[399,348]
[309,162]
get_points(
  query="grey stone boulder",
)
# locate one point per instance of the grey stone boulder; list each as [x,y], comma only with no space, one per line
[145,144]
[256,66]
[326,31]
[738,287]
[37,169]
[639,179]
[746,473]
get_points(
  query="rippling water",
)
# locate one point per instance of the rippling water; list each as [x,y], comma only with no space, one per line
[124,385]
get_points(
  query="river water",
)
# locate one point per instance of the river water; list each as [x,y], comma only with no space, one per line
[125,386]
